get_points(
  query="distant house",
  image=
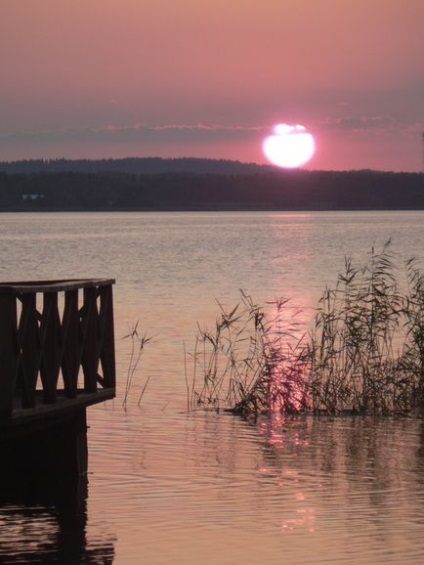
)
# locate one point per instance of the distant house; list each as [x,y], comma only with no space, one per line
[32,196]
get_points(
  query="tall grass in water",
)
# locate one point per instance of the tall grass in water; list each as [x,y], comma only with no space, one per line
[248,362]
[138,344]
[363,355]
[358,341]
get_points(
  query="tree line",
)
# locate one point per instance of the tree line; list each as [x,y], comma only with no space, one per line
[267,189]
[133,165]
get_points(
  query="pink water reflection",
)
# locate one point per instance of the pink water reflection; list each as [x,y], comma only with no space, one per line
[288,366]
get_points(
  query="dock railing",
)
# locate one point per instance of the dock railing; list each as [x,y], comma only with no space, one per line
[56,344]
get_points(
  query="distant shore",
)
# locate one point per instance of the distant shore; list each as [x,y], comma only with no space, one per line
[199,185]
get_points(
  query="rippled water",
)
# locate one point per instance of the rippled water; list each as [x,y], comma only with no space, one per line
[170,487]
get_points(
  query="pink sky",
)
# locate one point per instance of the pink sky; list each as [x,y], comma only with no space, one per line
[210,78]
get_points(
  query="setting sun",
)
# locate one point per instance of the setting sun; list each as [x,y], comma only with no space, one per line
[289,146]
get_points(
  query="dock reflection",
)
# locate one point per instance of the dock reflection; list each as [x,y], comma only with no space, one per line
[44,520]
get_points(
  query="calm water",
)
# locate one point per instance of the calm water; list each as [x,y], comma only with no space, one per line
[167,487]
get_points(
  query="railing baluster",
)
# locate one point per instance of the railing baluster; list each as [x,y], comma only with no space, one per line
[90,356]
[51,346]
[9,352]
[72,344]
[107,347]
[29,340]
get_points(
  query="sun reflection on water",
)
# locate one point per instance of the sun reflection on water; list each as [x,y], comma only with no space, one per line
[287,368]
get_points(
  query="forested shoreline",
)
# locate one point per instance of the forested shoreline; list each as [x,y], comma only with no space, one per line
[179,188]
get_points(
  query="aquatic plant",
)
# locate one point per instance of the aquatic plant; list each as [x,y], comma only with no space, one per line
[248,362]
[138,344]
[364,353]
[357,338]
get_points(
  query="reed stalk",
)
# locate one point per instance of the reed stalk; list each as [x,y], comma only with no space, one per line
[138,344]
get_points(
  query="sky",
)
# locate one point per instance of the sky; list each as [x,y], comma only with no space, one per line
[210,78]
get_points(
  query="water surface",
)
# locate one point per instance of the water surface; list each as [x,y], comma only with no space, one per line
[166,486]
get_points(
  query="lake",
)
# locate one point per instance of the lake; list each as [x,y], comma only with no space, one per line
[167,486]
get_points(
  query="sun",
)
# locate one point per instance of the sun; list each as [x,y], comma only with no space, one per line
[289,146]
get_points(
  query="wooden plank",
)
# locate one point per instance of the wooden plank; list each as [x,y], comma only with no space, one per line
[72,343]
[53,286]
[63,405]
[107,347]
[30,347]
[51,341]
[90,328]
[9,353]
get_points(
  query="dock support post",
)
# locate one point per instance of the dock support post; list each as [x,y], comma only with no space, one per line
[57,449]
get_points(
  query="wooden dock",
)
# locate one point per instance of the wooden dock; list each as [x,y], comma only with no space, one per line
[57,357]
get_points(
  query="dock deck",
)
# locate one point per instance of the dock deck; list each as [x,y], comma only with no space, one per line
[57,355]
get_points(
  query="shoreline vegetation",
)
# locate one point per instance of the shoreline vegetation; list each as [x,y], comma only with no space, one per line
[363,355]
[154,184]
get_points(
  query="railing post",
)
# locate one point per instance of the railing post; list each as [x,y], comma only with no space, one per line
[90,357]
[107,353]
[72,343]
[9,352]
[30,346]
[50,330]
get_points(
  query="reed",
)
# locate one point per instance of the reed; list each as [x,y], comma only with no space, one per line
[247,361]
[138,344]
[358,340]
[363,355]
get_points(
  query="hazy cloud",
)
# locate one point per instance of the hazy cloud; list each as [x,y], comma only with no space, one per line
[140,133]
[368,123]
